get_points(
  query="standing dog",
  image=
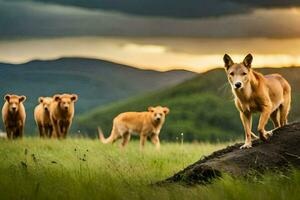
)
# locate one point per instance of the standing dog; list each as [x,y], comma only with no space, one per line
[146,124]
[62,113]
[42,116]
[14,115]
[254,92]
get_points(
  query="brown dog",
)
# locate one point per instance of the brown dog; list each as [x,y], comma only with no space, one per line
[42,116]
[14,115]
[62,113]
[146,124]
[254,92]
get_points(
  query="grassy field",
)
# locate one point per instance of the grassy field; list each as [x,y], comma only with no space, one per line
[85,169]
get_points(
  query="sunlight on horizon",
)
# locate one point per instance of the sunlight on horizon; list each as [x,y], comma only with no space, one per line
[156,53]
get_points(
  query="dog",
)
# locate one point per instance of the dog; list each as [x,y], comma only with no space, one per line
[62,110]
[146,124]
[42,116]
[270,95]
[14,115]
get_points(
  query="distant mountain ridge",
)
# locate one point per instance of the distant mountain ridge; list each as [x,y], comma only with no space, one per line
[97,82]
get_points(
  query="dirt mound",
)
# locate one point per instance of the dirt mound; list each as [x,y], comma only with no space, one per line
[281,152]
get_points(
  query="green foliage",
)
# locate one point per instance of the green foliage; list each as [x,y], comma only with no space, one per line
[202,108]
[86,169]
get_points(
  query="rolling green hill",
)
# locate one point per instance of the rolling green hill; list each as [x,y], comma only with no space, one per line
[202,108]
[97,82]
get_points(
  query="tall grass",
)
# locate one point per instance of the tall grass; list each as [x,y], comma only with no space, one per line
[85,169]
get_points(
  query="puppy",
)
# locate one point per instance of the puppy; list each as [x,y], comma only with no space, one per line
[14,115]
[42,116]
[146,124]
[62,111]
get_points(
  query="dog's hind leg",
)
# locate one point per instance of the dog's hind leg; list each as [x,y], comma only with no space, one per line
[126,139]
[284,111]
[275,117]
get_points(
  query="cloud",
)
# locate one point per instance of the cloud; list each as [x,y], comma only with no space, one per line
[31,19]
[152,49]
[165,8]
[269,3]
[178,8]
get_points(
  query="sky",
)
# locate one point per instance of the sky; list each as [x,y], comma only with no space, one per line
[152,34]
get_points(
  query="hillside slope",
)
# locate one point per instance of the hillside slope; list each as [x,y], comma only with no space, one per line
[278,154]
[97,82]
[202,108]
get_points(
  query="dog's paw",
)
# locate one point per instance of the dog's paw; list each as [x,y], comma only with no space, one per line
[263,137]
[246,146]
[269,133]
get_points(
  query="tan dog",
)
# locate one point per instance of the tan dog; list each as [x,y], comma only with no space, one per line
[62,113]
[14,115]
[146,124]
[254,92]
[42,116]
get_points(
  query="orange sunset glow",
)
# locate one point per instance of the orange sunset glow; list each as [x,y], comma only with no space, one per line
[160,54]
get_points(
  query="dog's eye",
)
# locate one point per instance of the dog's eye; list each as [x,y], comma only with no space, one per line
[244,73]
[231,74]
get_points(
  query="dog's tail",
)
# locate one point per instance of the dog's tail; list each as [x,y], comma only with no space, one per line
[102,138]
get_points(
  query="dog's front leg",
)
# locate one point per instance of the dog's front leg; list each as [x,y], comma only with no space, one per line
[143,139]
[56,129]
[246,118]
[155,141]
[263,120]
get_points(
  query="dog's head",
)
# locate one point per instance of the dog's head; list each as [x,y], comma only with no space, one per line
[14,102]
[158,113]
[45,101]
[65,101]
[238,73]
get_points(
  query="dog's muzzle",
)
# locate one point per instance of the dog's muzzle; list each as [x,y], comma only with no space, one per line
[238,85]
[157,119]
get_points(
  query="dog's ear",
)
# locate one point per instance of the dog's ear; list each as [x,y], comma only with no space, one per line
[56,97]
[22,98]
[227,61]
[74,97]
[150,109]
[248,60]
[41,99]
[166,110]
[7,97]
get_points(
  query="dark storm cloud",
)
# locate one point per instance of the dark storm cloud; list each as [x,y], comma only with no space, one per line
[35,19]
[269,3]
[166,8]
[178,8]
